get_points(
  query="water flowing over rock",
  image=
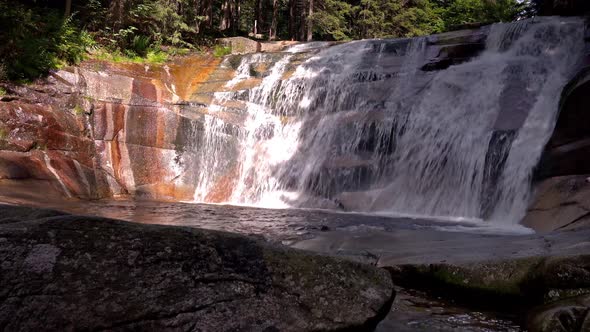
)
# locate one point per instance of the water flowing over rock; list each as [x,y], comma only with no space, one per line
[418,126]
[449,126]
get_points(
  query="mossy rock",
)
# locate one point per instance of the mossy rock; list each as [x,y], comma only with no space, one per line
[522,282]
[570,315]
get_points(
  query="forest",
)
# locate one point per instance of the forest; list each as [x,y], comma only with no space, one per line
[38,35]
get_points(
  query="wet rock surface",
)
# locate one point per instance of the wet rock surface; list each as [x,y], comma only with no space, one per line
[63,271]
[553,292]
[516,282]
[561,203]
[570,315]
[561,179]
[82,131]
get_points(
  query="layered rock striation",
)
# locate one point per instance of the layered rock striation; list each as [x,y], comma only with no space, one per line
[110,130]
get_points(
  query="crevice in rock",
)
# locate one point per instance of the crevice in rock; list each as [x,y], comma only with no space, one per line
[585,215]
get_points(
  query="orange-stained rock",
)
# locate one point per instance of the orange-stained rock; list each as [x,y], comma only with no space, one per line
[223,189]
[104,129]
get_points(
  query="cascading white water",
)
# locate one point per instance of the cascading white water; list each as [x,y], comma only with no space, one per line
[212,144]
[362,125]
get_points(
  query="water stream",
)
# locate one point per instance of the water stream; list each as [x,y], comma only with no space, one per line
[362,126]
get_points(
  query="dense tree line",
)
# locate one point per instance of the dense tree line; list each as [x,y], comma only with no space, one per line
[177,21]
[40,34]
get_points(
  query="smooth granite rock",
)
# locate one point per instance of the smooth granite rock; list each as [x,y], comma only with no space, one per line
[66,272]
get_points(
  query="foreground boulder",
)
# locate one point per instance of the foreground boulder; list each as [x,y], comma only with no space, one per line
[555,291]
[65,272]
[570,315]
[521,281]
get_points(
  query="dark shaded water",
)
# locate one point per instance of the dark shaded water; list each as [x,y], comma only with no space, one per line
[416,311]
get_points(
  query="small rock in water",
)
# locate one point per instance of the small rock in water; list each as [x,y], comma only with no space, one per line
[324,228]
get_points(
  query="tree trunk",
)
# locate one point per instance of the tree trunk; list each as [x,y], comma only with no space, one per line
[236,16]
[209,11]
[258,16]
[301,15]
[68,10]
[224,22]
[272,35]
[292,19]
[309,22]
[116,10]
[197,13]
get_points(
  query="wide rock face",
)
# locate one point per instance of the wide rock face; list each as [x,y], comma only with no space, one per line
[43,137]
[104,130]
[64,272]
[562,191]
[108,130]
[177,131]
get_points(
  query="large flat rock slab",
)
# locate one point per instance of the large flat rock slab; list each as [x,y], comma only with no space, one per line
[67,272]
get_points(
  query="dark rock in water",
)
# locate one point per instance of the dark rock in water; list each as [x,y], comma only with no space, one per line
[559,286]
[561,186]
[499,282]
[564,7]
[567,151]
[65,272]
[570,315]
[496,157]
[449,55]
[516,283]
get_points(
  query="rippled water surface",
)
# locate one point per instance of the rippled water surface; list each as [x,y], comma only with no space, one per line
[276,225]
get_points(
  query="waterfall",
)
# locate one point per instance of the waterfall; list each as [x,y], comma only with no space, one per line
[363,126]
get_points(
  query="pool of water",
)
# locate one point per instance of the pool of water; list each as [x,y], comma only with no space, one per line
[277,225]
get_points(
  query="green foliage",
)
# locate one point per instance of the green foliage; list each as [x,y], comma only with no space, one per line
[156,57]
[3,134]
[152,56]
[332,21]
[34,41]
[36,38]
[158,20]
[3,92]
[344,20]
[141,44]
[221,51]
[483,11]
[397,18]
[79,110]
